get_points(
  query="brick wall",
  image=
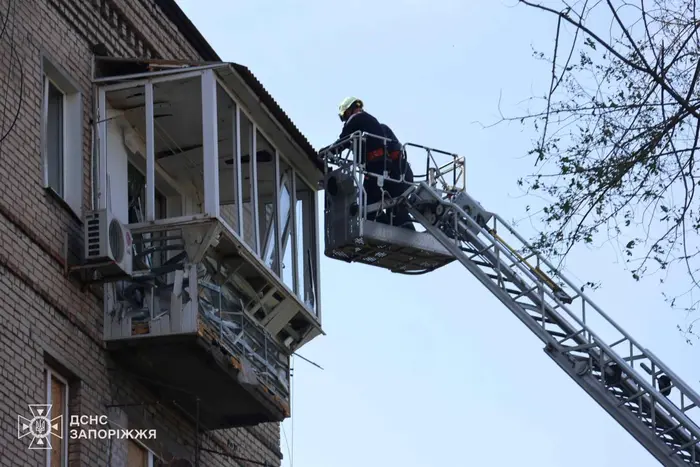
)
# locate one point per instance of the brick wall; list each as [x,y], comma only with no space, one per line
[45,317]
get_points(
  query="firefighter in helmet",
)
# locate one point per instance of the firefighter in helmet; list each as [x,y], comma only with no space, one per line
[374,155]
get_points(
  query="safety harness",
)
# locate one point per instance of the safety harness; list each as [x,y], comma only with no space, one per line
[378,153]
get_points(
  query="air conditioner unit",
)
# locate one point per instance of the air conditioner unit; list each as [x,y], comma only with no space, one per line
[108,243]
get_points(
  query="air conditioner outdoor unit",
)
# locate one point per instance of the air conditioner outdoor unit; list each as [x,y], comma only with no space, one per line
[108,243]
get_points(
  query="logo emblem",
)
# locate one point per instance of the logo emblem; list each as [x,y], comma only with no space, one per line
[40,426]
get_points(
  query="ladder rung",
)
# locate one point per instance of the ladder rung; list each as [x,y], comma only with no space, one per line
[688,444]
[475,253]
[525,292]
[556,333]
[502,277]
[572,335]
[539,318]
[632,399]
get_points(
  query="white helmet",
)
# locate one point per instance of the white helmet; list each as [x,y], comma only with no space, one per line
[347,104]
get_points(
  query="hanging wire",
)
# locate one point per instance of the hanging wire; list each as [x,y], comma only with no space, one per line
[7,18]
[291,409]
[13,56]
[286,442]
[307,360]
[292,391]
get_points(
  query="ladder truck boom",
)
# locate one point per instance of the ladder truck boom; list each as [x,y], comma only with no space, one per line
[627,380]
[609,373]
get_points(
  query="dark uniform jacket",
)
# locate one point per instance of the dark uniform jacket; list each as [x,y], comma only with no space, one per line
[394,144]
[401,166]
[363,121]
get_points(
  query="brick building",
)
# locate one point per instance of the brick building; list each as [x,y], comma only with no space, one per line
[67,128]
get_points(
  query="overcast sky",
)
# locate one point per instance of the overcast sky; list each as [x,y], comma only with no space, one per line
[432,370]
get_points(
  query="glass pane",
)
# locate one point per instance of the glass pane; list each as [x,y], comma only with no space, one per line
[306,244]
[247,176]
[228,175]
[54,138]
[284,204]
[269,239]
[287,223]
[265,157]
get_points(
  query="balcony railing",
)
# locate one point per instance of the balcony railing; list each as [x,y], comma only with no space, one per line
[191,326]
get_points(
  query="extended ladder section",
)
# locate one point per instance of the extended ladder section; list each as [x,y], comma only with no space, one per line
[627,380]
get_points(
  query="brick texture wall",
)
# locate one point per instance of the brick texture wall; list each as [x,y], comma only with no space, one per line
[45,317]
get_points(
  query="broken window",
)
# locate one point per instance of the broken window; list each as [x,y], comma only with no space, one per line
[137,214]
[284,204]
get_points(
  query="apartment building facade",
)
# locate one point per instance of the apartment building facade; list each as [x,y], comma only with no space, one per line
[180,355]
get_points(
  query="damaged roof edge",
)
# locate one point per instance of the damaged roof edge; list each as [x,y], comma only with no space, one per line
[175,14]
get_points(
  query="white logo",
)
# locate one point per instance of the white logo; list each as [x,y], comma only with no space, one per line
[40,426]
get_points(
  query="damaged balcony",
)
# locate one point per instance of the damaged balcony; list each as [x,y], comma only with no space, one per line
[220,205]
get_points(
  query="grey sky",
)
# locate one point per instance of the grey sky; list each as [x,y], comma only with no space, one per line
[432,370]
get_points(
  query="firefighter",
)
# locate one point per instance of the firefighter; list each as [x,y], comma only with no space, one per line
[352,114]
[399,167]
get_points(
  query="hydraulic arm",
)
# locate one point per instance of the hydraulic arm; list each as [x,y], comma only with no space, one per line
[638,390]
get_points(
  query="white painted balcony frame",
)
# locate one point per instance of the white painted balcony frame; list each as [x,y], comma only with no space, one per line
[211,208]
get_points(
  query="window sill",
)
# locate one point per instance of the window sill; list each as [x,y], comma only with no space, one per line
[51,193]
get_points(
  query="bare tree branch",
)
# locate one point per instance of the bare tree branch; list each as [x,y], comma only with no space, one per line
[618,133]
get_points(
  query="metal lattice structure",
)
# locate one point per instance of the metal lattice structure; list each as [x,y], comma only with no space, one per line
[638,390]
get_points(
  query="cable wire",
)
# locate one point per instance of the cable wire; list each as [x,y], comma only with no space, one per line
[307,360]
[292,391]
[7,18]
[286,442]
[21,74]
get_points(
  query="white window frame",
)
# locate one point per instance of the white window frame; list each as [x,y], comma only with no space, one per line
[72,137]
[211,192]
[270,227]
[50,373]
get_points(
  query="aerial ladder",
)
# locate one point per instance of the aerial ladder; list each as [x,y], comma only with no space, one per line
[626,379]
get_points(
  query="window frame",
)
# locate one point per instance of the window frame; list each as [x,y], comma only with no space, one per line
[270,230]
[161,206]
[300,172]
[72,148]
[48,81]
[50,373]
